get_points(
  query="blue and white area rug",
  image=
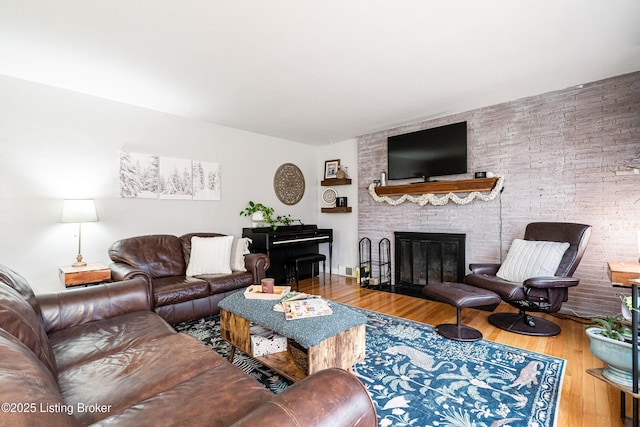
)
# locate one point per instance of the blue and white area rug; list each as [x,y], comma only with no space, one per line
[418,378]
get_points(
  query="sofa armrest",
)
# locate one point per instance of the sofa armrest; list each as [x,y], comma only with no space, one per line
[121,271]
[331,397]
[490,269]
[257,264]
[76,306]
[551,282]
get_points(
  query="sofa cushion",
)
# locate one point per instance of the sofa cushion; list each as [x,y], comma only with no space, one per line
[94,340]
[18,318]
[239,249]
[159,255]
[27,381]
[186,242]
[140,371]
[531,258]
[238,394]
[173,290]
[504,288]
[210,255]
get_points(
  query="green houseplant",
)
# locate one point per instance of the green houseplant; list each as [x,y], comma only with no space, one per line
[612,327]
[260,213]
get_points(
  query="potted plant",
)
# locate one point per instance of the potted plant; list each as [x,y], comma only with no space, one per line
[261,214]
[610,341]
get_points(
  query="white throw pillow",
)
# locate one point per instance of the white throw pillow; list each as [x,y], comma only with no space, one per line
[210,255]
[239,249]
[531,258]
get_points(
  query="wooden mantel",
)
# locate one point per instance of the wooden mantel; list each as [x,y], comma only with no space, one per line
[439,187]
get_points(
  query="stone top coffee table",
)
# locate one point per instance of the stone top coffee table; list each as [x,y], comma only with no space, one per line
[337,340]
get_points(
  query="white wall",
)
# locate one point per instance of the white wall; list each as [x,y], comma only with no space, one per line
[345,225]
[56,144]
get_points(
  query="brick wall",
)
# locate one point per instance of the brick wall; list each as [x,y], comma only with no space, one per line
[563,158]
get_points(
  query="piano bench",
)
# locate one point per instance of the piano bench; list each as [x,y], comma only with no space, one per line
[294,263]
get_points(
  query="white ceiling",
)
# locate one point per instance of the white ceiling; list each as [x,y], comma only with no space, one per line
[317,71]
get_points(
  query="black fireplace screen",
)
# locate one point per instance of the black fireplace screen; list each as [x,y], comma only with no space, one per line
[423,258]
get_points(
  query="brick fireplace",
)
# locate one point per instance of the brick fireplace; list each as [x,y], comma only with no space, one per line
[564,157]
[424,258]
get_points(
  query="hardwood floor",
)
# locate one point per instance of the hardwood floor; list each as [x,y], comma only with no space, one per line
[585,400]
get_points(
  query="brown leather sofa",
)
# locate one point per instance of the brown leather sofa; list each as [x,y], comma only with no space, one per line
[100,356]
[163,259]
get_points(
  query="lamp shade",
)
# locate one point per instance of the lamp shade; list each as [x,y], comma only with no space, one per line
[79,211]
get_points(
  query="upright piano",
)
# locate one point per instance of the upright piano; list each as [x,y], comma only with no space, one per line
[288,241]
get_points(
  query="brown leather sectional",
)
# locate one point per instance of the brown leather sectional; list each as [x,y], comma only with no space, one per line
[163,259]
[100,356]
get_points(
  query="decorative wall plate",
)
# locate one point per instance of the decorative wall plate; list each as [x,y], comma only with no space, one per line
[288,183]
[329,196]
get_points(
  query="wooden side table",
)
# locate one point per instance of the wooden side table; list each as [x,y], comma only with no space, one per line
[620,273]
[86,275]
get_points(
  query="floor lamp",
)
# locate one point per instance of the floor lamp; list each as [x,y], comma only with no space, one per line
[79,211]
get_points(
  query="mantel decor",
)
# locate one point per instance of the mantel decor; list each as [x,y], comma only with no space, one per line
[433,199]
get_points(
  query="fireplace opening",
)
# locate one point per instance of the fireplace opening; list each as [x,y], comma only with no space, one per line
[424,258]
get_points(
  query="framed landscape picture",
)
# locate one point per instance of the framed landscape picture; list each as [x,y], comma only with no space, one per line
[138,175]
[145,176]
[206,180]
[175,178]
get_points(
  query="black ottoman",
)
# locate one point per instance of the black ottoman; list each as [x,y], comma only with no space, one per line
[460,295]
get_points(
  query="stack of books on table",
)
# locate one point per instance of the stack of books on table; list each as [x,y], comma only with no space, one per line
[297,305]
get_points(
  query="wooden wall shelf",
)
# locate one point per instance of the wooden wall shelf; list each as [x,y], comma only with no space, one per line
[336,210]
[439,187]
[335,181]
[597,372]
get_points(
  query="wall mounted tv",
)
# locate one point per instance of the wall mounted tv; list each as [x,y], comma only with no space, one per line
[428,153]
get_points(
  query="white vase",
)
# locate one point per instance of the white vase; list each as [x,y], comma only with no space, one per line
[257,219]
[626,312]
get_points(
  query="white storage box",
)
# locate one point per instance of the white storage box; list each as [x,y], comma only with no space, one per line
[265,341]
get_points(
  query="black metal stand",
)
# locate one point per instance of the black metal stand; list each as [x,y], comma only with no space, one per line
[384,261]
[458,332]
[520,323]
[634,361]
[634,350]
[364,258]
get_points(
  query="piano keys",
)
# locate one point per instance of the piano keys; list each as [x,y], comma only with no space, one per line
[287,241]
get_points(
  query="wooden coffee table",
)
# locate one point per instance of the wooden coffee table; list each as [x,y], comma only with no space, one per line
[341,350]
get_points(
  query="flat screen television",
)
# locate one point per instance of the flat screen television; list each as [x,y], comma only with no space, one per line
[428,153]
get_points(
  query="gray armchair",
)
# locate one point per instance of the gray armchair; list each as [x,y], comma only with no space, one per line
[535,294]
